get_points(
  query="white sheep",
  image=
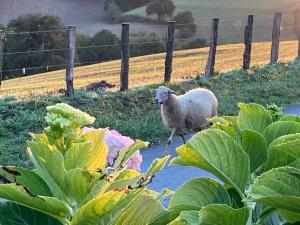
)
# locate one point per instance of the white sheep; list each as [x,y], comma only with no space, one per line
[190,110]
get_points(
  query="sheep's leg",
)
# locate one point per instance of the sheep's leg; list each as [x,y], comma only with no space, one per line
[170,140]
[183,138]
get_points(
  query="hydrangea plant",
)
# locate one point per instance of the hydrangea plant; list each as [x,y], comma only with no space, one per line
[79,178]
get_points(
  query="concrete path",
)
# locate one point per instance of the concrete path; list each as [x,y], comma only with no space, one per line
[174,176]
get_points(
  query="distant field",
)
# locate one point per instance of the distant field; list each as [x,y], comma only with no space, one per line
[147,69]
[233,15]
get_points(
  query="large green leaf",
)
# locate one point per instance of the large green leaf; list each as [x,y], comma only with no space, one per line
[48,205]
[50,166]
[79,184]
[280,128]
[198,193]
[223,215]
[140,212]
[279,189]
[256,147]
[253,117]
[217,152]
[100,210]
[27,178]
[14,214]
[290,118]
[89,155]
[283,151]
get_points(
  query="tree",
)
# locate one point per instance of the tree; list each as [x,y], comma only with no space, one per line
[35,41]
[113,11]
[161,8]
[185,24]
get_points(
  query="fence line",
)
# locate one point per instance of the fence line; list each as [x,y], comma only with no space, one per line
[170,41]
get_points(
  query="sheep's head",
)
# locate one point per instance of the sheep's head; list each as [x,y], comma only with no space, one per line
[162,94]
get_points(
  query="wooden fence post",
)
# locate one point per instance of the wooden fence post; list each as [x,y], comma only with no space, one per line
[125,57]
[209,71]
[70,60]
[170,51]
[248,43]
[2,40]
[276,38]
[297,28]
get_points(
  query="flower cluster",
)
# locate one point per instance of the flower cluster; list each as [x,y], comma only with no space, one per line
[115,142]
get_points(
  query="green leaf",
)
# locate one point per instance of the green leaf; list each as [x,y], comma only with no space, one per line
[280,128]
[100,209]
[48,205]
[226,128]
[283,151]
[253,117]
[293,118]
[198,193]
[50,165]
[14,214]
[279,189]
[78,182]
[190,217]
[27,178]
[140,211]
[215,151]
[126,153]
[256,147]
[157,165]
[223,215]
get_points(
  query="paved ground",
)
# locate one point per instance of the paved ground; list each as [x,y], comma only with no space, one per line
[174,176]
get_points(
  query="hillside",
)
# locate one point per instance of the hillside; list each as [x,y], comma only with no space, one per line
[147,69]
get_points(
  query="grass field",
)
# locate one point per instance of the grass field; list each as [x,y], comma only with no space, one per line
[134,113]
[147,69]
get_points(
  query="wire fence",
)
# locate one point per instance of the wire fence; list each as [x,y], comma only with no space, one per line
[188,59]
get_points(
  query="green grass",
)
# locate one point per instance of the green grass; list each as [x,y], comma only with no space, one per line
[134,113]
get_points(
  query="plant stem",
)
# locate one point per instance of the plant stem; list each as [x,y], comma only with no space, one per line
[265,214]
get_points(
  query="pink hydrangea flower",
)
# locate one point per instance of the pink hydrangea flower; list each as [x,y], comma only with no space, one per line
[115,142]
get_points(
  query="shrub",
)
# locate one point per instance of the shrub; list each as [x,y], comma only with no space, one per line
[73,183]
[255,158]
[151,43]
[113,11]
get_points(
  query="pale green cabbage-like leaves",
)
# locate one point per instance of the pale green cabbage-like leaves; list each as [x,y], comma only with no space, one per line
[256,147]
[217,152]
[283,151]
[253,117]
[278,188]
[223,215]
